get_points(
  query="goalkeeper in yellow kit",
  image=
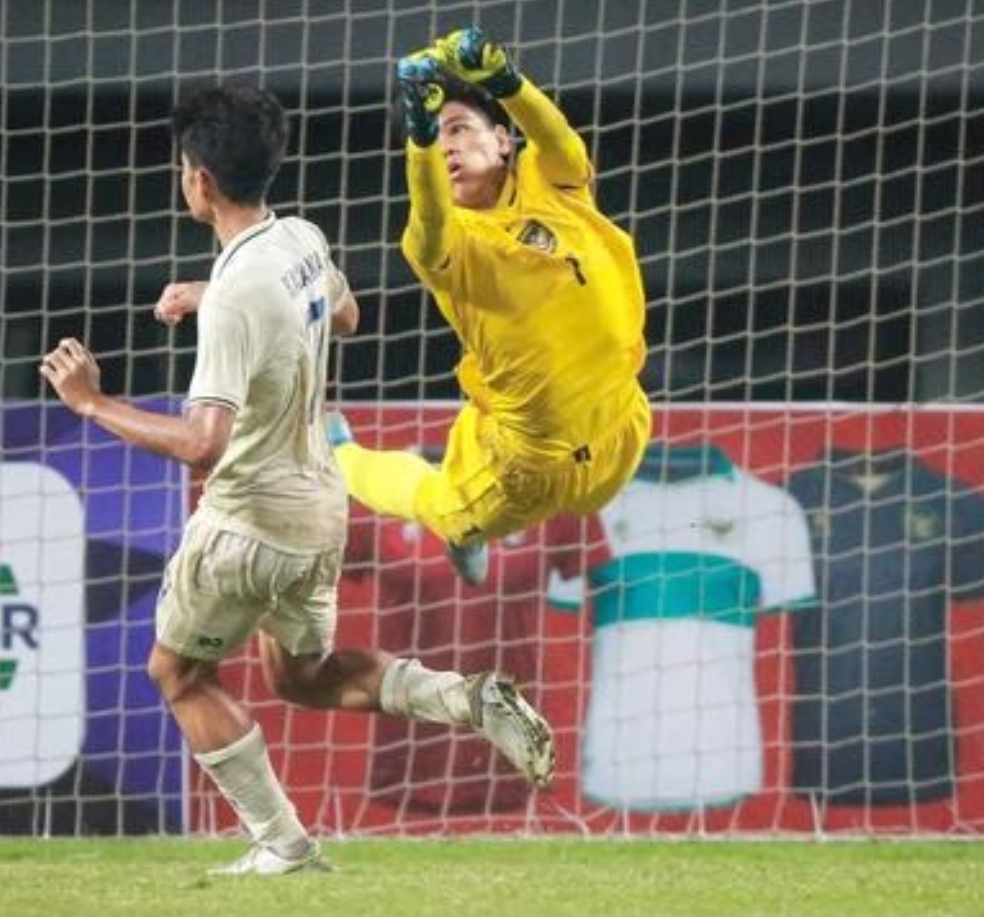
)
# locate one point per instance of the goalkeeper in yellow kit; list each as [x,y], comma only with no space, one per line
[544,294]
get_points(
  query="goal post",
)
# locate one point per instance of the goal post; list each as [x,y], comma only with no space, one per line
[803,182]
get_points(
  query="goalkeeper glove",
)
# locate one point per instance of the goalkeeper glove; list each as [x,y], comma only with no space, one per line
[469,55]
[422,94]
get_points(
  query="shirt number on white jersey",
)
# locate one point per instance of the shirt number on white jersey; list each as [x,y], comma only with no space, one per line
[318,344]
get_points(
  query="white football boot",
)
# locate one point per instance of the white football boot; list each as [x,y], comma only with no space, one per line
[503,716]
[262,861]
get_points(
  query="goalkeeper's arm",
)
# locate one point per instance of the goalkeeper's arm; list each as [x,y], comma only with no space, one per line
[427,237]
[563,156]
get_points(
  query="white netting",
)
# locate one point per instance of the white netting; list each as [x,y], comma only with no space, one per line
[803,180]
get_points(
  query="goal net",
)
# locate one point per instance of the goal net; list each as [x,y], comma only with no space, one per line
[775,629]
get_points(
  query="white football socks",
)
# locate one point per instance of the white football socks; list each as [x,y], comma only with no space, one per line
[243,773]
[418,693]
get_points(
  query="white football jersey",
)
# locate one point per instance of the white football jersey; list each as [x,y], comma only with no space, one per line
[264,326]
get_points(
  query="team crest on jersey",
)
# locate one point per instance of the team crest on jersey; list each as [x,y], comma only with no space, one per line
[536,235]
[923,525]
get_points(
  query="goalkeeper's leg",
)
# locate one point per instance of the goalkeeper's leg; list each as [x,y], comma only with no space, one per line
[403,484]
[387,481]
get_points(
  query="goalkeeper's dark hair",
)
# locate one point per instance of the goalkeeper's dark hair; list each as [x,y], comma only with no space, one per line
[237,133]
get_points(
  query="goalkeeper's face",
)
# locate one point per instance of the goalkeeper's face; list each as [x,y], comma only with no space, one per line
[477,155]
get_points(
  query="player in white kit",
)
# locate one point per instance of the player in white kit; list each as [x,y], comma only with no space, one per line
[262,551]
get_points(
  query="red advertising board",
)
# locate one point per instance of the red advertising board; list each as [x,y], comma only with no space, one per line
[371,774]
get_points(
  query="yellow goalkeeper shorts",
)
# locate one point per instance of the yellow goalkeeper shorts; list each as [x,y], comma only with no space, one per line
[486,488]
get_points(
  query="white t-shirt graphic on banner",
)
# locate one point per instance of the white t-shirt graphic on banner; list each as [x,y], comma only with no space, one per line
[694,549]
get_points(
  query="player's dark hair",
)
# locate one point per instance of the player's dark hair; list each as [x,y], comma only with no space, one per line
[238,133]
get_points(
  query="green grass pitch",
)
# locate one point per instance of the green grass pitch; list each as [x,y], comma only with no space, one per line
[503,877]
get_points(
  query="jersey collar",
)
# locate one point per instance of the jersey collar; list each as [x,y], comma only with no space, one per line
[507,196]
[239,240]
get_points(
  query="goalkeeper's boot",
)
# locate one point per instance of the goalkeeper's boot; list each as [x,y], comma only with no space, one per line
[502,715]
[337,429]
[263,861]
[470,561]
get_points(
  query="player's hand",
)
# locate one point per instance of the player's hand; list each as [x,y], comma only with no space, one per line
[73,373]
[470,55]
[178,300]
[422,94]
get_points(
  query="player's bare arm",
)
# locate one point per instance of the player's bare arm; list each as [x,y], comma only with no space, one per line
[178,300]
[197,438]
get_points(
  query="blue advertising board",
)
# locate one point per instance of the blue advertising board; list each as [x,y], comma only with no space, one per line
[86,526]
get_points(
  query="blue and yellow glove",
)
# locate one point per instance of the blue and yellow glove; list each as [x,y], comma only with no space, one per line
[472,57]
[422,94]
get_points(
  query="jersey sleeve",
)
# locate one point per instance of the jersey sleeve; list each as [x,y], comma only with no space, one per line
[573,544]
[561,154]
[336,283]
[427,238]
[787,574]
[565,594]
[221,373]
[967,538]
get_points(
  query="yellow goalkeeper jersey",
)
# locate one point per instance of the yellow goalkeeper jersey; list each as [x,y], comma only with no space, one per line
[546,297]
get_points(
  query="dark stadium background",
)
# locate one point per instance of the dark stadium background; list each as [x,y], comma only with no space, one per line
[842,260]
